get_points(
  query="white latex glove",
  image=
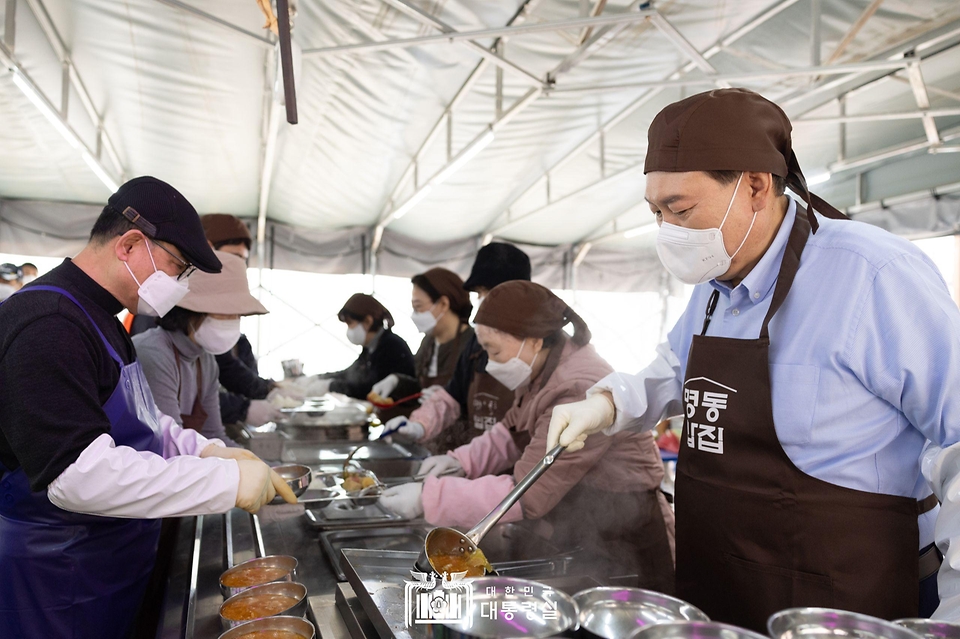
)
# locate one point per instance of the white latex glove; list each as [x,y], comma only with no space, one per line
[317,387]
[412,430]
[262,411]
[216,450]
[259,485]
[941,468]
[572,423]
[387,385]
[288,388]
[404,500]
[427,393]
[441,465]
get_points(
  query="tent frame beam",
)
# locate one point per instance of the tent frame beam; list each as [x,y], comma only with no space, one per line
[882,117]
[212,19]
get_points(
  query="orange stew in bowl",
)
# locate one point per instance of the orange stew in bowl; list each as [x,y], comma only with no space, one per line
[257,607]
[253,576]
[272,634]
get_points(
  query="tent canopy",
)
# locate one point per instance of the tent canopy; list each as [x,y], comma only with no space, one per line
[416,143]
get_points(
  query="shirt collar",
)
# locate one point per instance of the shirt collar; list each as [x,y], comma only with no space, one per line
[759,282]
[372,346]
[88,287]
[189,349]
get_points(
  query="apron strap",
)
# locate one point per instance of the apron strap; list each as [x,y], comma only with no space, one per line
[788,266]
[56,289]
[927,504]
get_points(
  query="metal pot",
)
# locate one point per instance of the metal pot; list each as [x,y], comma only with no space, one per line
[301,627]
[694,630]
[816,623]
[288,589]
[616,613]
[297,476]
[931,628]
[286,562]
[535,611]
[444,541]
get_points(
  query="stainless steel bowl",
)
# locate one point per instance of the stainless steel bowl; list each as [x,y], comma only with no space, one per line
[364,497]
[286,562]
[694,630]
[811,623]
[931,628]
[288,589]
[298,478]
[301,627]
[540,611]
[615,613]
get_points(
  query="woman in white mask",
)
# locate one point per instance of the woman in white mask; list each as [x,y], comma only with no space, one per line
[604,498]
[178,357]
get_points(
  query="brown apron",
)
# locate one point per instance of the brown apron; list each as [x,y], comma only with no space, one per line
[487,401]
[198,417]
[755,534]
[425,379]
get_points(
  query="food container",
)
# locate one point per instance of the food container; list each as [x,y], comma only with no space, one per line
[298,477]
[931,628]
[553,611]
[815,623]
[292,368]
[263,570]
[693,630]
[296,627]
[287,599]
[615,613]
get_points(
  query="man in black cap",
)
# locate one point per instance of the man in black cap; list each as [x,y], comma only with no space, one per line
[88,463]
[815,367]
[10,275]
[472,393]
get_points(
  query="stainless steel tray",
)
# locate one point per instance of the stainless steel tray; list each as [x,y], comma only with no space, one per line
[340,514]
[333,453]
[403,538]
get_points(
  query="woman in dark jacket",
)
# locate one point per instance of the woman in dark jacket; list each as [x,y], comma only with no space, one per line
[369,325]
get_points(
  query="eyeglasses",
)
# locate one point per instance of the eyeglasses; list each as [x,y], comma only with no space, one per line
[149,231]
[188,268]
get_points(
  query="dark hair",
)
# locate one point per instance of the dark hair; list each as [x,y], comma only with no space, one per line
[109,225]
[220,245]
[180,320]
[729,177]
[424,284]
[357,317]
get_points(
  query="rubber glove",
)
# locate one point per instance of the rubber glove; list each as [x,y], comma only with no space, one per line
[387,385]
[427,393]
[411,430]
[262,411]
[941,468]
[259,484]
[317,387]
[441,465]
[288,388]
[404,500]
[572,423]
[216,450]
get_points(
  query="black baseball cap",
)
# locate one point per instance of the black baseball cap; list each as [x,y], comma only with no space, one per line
[497,263]
[10,272]
[164,214]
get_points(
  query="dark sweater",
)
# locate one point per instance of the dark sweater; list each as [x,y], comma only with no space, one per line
[55,373]
[390,355]
[473,360]
[241,382]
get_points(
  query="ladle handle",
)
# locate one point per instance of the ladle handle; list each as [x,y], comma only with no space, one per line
[479,531]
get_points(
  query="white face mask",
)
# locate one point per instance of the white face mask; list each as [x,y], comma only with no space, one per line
[6,290]
[28,278]
[514,372]
[425,321]
[357,335]
[159,293]
[217,336]
[695,256]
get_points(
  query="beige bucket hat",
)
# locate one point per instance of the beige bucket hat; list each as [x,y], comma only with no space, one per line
[225,293]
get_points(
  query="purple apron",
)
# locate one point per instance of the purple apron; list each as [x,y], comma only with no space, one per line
[66,574]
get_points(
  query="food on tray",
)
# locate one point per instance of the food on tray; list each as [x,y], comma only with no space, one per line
[353,482]
[374,398]
[475,564]
[253,576]
[272,634]
[282,401]
[257,606]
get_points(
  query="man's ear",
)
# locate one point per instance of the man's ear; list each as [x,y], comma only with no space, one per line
[126,243]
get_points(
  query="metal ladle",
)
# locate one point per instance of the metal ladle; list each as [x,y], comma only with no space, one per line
[450,541]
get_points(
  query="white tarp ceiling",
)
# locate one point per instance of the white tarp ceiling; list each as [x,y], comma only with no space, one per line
[188,99]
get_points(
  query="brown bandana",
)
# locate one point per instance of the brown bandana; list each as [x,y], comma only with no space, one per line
[448,284]
[730,130]
[362,305]
[524,309]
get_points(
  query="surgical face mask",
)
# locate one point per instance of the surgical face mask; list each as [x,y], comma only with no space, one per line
[6,290]
[159,293]
[28,278]
[514,372]
[425,321]
[695,256]
[357,335]
[217,336]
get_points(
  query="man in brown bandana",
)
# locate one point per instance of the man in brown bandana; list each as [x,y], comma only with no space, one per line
[813,365]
